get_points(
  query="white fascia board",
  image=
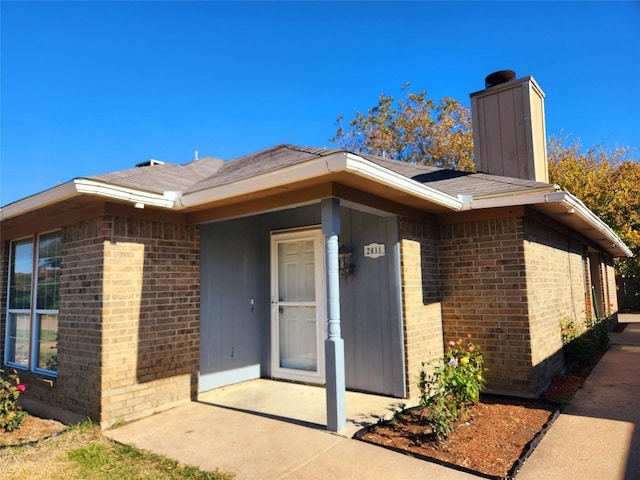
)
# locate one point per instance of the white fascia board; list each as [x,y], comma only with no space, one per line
[570,203]
[576,207]
[511,200]
[276,178]
[117,192]
[81,186]
[339,162]
[372,171]
[39,200]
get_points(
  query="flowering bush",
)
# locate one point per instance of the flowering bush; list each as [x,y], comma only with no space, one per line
[11,415]
[455,384]
[580,343]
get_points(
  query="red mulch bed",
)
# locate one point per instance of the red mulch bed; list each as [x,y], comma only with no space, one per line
[488,441]
[493,440]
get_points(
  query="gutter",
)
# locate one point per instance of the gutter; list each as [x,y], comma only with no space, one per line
[80,186]
[552,195]
[335,163]
[576,207]
[39,200]
[139,197]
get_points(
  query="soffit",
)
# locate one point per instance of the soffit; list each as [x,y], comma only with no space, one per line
[572,219]
[317,188]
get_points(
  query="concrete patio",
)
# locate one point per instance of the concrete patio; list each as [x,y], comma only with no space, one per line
[302,404]
[275,430]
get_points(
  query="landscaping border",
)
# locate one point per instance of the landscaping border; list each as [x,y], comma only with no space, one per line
[524,455]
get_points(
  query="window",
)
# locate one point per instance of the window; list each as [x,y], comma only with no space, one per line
[33,297]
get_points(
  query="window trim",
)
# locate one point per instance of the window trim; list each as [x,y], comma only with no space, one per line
[34,313]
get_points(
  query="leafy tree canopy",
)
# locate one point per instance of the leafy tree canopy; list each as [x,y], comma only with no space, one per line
[417,130]
[414,129]
[608,182]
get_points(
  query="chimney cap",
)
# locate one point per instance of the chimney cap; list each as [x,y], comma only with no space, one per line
[496,78]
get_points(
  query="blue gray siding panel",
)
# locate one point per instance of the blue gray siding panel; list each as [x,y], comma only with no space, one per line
[231,328]
[371,308]
[235,344]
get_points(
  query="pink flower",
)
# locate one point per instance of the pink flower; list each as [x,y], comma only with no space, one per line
[453,362]
[452,343]
[21,388]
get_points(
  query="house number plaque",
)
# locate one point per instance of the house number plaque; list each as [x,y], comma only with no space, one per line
[374,250]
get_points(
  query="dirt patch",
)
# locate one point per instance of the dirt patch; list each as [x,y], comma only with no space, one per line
[493,440]
[490,440]
[32,429]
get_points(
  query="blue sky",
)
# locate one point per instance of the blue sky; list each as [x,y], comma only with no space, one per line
[92,87]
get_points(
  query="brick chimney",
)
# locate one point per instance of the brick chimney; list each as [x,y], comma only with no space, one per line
[509,129]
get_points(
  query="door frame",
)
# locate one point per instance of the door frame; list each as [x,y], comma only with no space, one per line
[317,376]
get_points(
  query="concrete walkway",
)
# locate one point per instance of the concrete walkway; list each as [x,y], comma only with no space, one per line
[273,430]
[598,436]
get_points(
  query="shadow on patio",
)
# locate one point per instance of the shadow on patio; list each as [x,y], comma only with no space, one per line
[301,404]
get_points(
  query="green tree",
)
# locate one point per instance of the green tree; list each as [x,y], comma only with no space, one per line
[414,129]
[417,130]
[607,181]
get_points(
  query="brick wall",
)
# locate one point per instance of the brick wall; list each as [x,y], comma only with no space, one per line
[611,289]
[128,334]
[420,297]
[151,318]
[484,293]
[606,290]
[77,385]
[556,288]
[509,277]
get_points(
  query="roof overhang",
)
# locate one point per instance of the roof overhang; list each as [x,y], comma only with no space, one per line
[550,200]
[83,186]
[565,208]
[342,162]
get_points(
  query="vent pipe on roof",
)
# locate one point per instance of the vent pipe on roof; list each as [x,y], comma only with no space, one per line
[149,163]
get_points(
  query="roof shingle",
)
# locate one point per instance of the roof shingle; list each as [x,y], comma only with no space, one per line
[210,172]
[163,177]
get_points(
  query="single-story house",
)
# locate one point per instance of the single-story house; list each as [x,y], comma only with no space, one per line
[130,292]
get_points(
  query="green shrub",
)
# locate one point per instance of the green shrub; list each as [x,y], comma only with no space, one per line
[581,344]
[454,385]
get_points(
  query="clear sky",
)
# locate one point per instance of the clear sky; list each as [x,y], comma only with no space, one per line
[92,87]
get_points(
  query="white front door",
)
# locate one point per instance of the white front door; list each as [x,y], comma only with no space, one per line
[298,306]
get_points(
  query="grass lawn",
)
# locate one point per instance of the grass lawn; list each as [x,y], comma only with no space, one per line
[82,452]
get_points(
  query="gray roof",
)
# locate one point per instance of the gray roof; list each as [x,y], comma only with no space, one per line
[261,162]
[211,172]
[149,182]
[454,182]
[162,177]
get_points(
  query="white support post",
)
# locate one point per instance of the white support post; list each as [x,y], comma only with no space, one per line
[334,344]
